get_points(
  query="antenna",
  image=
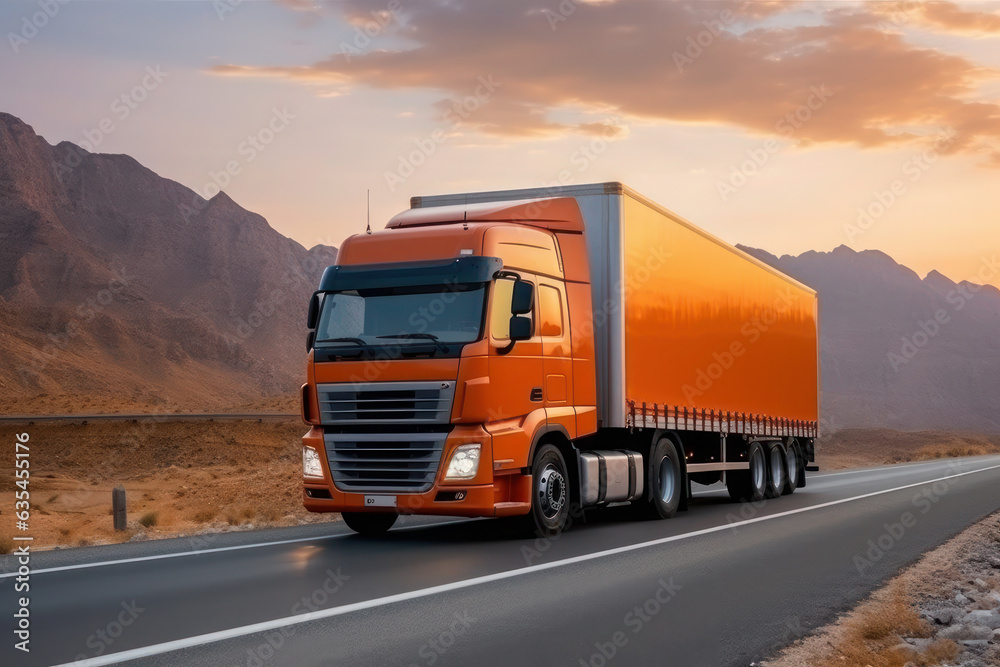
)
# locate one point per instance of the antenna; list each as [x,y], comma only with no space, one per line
[368,230]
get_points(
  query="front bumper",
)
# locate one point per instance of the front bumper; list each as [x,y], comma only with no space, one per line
[486,495]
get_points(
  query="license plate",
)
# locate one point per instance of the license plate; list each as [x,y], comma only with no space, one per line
[380,501]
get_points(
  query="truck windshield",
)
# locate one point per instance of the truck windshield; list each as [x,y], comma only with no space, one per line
[403,316]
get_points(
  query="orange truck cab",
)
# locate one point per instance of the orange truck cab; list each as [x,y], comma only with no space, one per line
[488,354]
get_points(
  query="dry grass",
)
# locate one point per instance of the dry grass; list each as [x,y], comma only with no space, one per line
[849,448]
[203,516]
[149,519]
[873,633]
[951,451]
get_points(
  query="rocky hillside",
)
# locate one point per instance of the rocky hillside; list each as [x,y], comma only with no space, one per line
[898,351]
[118,286]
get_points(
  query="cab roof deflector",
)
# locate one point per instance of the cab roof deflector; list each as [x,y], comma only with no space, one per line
[561,214]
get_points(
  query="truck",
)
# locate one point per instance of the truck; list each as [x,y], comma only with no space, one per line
[541,352]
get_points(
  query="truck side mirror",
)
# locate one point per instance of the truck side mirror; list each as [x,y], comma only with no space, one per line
[522,298]
[310,340]
[313,315]
[520,328]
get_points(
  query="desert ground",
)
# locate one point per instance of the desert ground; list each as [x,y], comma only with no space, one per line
[180,477]
[185,477]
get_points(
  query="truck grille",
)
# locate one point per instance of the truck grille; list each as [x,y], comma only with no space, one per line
[386,402]
[394,462]
[403,460]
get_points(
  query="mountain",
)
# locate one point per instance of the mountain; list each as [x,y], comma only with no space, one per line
[898,351]
[122,288]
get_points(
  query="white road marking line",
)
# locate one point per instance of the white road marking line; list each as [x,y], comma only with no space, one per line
[255,545]
[858,471]
[890,466]
[221,635]
[237,547]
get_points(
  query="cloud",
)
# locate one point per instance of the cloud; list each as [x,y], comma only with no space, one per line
[748,65]
[946,16]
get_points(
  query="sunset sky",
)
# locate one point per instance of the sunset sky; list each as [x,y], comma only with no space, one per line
[767,123]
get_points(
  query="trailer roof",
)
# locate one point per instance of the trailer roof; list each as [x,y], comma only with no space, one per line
[511,197]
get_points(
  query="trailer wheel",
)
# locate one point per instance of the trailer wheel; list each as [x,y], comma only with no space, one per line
[664,483]
[793,464]
[550,491]
[777,474]
[749,485]
[369,523]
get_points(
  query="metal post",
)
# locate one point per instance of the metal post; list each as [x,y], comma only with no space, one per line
[118,507]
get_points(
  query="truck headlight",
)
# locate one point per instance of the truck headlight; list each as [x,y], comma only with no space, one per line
[311,466]
[464,462]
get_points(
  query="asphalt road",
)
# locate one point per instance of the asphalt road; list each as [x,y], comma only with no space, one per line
[721,584]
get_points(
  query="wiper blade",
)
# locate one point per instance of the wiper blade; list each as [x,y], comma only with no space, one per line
[424,336]
[346,339]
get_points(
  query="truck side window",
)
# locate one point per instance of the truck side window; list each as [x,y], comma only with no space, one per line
[500,309]
[550,311]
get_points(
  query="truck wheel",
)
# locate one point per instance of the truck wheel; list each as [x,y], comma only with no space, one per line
[663,483]
[776,472]
[369,523]
[792,468]
[749,485]
[550,491]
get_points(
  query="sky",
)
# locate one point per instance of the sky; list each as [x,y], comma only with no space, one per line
[788,126]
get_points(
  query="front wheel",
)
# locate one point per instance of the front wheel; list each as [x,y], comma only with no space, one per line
[369,523]
[550,491]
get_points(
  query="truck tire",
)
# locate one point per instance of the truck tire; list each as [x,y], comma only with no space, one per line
[777,473]
[793,465]
[369,523]
[664,483]
[749,486]
[550,493]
